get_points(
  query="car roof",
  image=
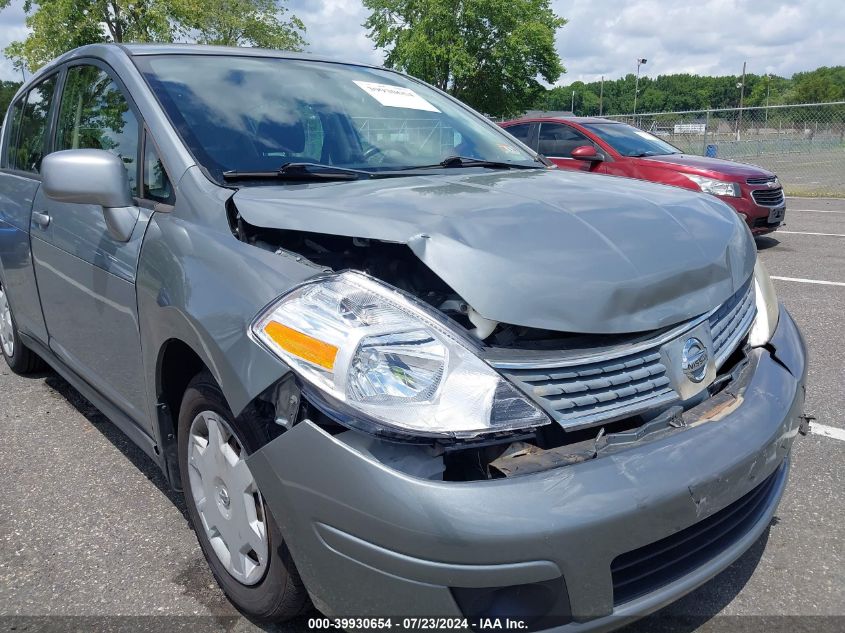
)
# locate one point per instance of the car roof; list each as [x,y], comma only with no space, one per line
[240,51]
[107,50]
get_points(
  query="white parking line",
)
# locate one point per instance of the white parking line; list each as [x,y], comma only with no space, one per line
[816,211]
[810,281]
[827,431]
[808,233]
[806,199]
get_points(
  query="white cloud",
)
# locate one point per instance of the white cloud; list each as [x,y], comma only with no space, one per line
[12,28]
[334,29]
[710,37]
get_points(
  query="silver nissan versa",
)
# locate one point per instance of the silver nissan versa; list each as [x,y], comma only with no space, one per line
[400,367]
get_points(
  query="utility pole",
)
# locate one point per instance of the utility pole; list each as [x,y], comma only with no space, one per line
[572,107]
[741,96]
[601,96]
[637,84]
[768,88]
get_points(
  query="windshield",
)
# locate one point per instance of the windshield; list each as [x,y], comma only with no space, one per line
[254,114]
[630,141]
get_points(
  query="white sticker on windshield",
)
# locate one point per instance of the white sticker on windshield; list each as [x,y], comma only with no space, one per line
[395,96]
[645,135]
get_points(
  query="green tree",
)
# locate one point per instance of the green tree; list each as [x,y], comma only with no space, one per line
[669,93]
[238,22]
[818,86]
[61,25]
[488,53]
[771,89]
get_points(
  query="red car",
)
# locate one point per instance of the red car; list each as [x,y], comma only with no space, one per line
[609,147]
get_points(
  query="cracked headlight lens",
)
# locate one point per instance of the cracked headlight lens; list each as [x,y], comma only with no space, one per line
[768,311]
[376,353]
[716,187]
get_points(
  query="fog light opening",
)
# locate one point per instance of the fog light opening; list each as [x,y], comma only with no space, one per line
[539,605]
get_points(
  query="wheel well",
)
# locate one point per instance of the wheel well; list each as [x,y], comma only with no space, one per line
[178,365]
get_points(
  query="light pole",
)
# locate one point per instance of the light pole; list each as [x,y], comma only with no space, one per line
[640,61]
[572,107]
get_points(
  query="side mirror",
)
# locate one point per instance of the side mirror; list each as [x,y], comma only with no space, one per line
[92,176]
[587,153]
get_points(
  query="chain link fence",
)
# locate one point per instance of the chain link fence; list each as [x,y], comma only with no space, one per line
[803,144]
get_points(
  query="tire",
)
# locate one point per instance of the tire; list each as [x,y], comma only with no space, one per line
[278,594]
[19,358]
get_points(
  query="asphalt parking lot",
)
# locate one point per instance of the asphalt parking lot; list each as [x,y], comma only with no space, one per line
[88,526]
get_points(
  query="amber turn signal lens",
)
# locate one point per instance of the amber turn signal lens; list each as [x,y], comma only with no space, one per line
[306,347]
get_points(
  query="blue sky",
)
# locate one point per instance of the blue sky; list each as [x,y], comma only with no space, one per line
[605,37]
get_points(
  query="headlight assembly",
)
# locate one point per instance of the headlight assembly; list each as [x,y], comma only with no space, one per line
[766,320]
[370,350]
[716,187]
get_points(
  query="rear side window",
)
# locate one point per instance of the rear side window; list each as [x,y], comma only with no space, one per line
[95,114]
[26,148]
[521,131]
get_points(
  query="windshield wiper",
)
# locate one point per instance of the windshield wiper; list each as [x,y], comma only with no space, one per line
[301,171]
[319,171]
[469,161]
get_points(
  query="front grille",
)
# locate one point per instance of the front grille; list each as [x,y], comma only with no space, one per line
[768,197]
[620,383]
[648,568]
[764,180]
[580,395]
[730,323]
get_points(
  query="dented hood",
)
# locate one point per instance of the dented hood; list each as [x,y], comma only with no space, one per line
[548,249]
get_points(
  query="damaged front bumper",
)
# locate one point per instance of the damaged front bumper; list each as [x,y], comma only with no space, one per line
[591,545]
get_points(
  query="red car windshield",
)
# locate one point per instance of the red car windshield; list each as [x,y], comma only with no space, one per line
[629,141]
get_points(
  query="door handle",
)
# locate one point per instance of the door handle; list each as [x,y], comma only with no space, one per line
[41,219]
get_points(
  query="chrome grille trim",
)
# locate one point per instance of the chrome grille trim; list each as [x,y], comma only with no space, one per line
[604,354]
[761,180]
[768,197]
[584,390]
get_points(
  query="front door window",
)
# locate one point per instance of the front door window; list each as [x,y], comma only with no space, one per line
[96,115]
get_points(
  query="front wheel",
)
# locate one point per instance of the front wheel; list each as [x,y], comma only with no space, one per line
[237,533]
[20,359]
